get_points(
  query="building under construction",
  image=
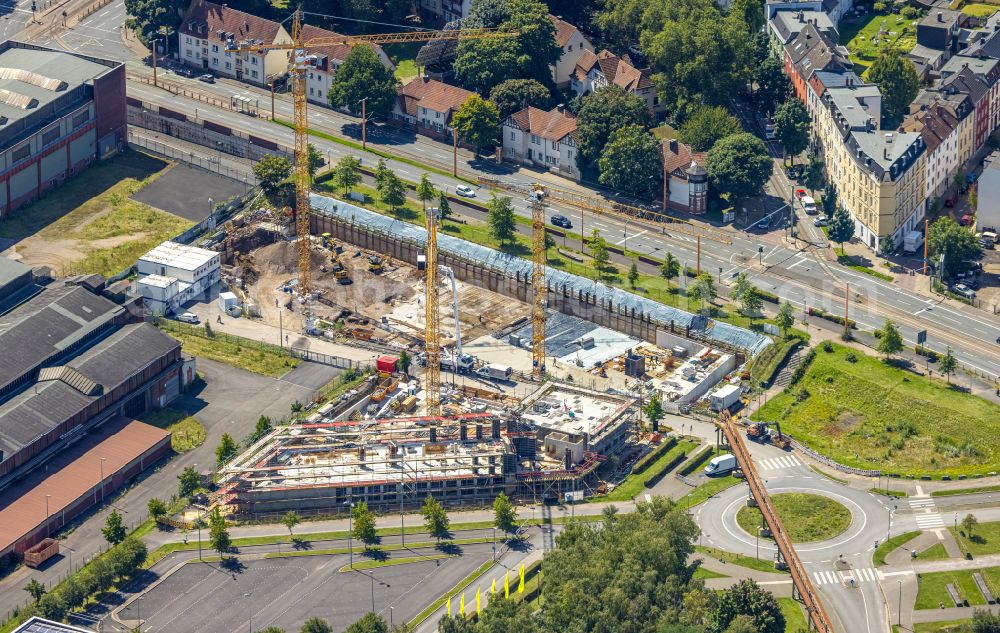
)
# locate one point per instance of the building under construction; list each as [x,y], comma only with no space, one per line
[552,444]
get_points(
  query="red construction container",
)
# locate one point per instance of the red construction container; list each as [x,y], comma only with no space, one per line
[386,364]
[41,552]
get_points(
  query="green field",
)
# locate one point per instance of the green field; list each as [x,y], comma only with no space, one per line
[985,538]
[404,57]
[186,432]
[932,592]
[870,414]
[806,517]
[860,36]
[253,356]
[795,615]
[636,484]
[978,9]
[705,574]
[948,626]
[934,552]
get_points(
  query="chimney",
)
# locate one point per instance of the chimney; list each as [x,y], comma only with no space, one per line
[561,107]
[800,16]
[940,16]
[426,78]
[672,143]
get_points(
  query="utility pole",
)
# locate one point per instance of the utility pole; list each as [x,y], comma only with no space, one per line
[926,229]
[698,265]
[154,61]
[664,188]
[847,300]
[272,98]
[364,126]
[454,152]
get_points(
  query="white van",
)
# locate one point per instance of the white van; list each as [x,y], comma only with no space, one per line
[187,317]
[809,205]
[721,465]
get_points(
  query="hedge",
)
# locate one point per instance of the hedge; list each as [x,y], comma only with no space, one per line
[800,371]
[696,459]
[644,462]
[839,320]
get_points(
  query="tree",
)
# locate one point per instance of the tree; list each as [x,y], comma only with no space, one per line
[630,161]
[750,12]
[271,170]
[114,528]
[948,364]
[51,606]
[483,65]
[985,622]
[608,109]
[219,536]
[369,623]
[813,178]
[262,428]
[315,625]
[478,123]
[435,518]
[772,84]
[785,318]
[363,524]
[272,629]
[35,588]
[392,191]
[149,16]
[598,249]
[504,514]
[653,410]
[444,207]
[841,227]
[315,160]
[739,165]
[290,520]
[740,285]
[707,125]
[363,76]
[751,303]
[886,246]
[891,341]
[425,190]
[957,243]
[633,275]
[747,598]
[382,172]
[897,80]
[829,200]
[347,173]
[670,268]
[188,482]
[405,360]
[226,450]
[500,217]
[703,289]
[742,624]
[513,95]
[157,508]
[969,523]
[791,127]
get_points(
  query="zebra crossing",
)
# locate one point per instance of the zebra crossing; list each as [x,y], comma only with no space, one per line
[776,463]
[860,575]
[925,512]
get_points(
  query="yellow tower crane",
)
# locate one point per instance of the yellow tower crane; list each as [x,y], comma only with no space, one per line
[297,65]
[432,340]
[538,287]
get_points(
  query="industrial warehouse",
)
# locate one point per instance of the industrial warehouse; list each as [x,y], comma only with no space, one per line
[551,444]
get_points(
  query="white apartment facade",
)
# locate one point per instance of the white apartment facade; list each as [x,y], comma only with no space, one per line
[539,138]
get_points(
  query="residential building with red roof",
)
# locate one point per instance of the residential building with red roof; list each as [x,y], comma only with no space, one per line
[593,72]
[548,139]
[325,61]
[573,44]
[426,106]
[206,28]
[687,178]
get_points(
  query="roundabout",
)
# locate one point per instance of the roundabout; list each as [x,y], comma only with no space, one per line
[806,516]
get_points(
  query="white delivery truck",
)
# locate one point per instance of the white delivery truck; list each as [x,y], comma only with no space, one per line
[725,397]
[912,242]
[809,205]
[721,465]
[496,372]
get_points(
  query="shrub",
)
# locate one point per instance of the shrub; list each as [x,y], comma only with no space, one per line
[878,7]
[910,12]
[800,371]
[827,347]
[851,357]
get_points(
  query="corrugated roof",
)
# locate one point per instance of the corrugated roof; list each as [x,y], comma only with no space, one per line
[489,259]
[41,76]
[72,475]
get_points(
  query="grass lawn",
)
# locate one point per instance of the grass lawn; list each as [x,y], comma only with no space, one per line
[979,9]
[985,538]
[795,615]
[253,356]
[758,564]
[847,260]
[807,517]
[764,366]
[934,552]
[635,484]
[888,546]
[859,35]
[404,57]
[931,591]
[186,432]
[964,491]
[870,414]
[706,574]
[948,626]
[709,487]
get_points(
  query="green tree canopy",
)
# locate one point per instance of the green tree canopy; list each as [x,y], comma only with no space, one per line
[772,84]
[314,159]
[364,524]
[948,364]
[751,303]
[157,508]
[513,95]
[598,249]
[347,173]
[653,409]
[478,123]
[114,530]
[369,623]
[315,625]
[500,218]
[739,165]
[670,268]
[891,341]
[785,318]
[444,207]
[151,16]
[392,191]
[631,161]
[271,170]
[504,514]
[188,482]
[703,289]
[290,520]
[841,227]
[226,450]
[791,127]
[747,598]
[957,243]
[601,113]
[35,588]
[425,190]
[363,76]
[897,80]
[633,275]
[435,518]
[708,124]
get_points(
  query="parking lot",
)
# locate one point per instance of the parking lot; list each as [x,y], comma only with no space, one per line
[285,592]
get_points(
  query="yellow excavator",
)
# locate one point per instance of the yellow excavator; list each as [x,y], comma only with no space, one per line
[375,264]
[339,271]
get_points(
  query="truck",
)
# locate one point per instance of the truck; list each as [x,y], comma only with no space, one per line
[725,397]
[41,552]
[912,242]
[721,465]
[495,372]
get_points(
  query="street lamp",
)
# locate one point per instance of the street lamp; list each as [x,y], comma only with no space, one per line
[899,607]
[250,610]
[138,606]
[350,532]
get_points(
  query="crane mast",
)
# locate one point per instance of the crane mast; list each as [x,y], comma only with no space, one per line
[301,124]
[538,288]
[432,339]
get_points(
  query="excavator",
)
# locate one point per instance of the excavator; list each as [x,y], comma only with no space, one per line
[761,432]
[339,271]
[375,264]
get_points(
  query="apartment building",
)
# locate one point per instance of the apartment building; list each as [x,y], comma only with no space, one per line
[426,106]
[536,137]
[202,43]
[812,51]
[937,124]
[595,71]
[573,43]
[324,62]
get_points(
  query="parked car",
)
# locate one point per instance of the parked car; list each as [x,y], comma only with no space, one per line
[207,78]
[765,223]
[821,221]
[183,71]
[800,193]
[561,220]
[794,172]
[963,291]
[465,191]
[965,220]
[972,177]
[809,205]
[949,202]
[187,317]
[769,132]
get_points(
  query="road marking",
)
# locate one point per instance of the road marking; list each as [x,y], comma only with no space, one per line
[625,239]
[939,533]
[907,572]
[775,463]
[800,260]
[920,492]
